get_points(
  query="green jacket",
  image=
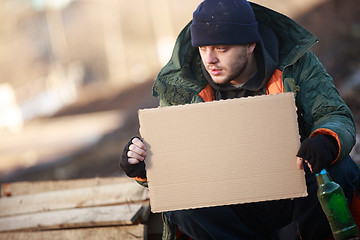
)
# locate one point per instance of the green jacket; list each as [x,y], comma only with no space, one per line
[320,108]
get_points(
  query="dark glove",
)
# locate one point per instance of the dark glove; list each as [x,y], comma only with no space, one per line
[319,151]
[131,170]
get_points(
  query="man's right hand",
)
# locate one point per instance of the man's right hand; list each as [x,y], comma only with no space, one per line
[137,151]
[132,158]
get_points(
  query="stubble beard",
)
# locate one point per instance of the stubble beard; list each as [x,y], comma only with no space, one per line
[234,75]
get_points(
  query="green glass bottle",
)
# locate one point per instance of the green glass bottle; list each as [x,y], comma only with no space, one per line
[334,205]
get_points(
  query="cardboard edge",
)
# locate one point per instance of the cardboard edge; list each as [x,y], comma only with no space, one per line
[249,98]
[160,210]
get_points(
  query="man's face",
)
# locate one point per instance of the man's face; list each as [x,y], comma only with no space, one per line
[226,63]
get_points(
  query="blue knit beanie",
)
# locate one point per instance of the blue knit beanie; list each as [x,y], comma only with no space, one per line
[224,22]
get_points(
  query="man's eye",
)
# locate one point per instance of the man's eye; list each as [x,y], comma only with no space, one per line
[221,49]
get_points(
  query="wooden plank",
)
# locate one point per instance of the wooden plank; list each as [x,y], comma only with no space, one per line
[127,214]
[22,188]
[73,198]
[133,232]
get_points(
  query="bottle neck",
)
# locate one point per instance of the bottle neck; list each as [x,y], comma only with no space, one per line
[323,177]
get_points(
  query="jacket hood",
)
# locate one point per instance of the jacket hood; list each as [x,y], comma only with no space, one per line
[294,40]
[182,78]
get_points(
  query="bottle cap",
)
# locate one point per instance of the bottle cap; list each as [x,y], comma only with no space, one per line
[323,172]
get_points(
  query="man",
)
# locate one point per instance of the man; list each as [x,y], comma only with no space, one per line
[235,49]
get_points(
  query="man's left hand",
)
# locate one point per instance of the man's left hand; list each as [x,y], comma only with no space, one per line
[318,152]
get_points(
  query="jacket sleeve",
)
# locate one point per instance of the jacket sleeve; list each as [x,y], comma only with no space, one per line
[320,106]
[164,103]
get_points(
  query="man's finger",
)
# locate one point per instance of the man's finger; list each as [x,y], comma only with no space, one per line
[134,155]
[309,165]
[139,143]
[134,148]
[300,163]
[133,161]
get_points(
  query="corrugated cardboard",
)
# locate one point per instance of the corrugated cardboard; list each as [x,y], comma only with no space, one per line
[222,152]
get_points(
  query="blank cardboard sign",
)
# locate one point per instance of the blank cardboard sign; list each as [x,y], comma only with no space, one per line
[222,152]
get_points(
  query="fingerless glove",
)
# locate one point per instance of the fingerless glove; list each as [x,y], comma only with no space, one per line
[319,151]
[131,170]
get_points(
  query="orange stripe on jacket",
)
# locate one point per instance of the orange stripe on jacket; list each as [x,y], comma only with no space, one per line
[207,94]
[139,179]
[320,131]
[275,83]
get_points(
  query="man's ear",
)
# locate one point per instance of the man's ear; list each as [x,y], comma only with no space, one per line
[251,47]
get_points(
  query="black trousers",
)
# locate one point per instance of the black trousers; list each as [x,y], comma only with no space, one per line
[300,218]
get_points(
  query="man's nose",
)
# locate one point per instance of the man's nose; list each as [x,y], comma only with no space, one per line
[211,57]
